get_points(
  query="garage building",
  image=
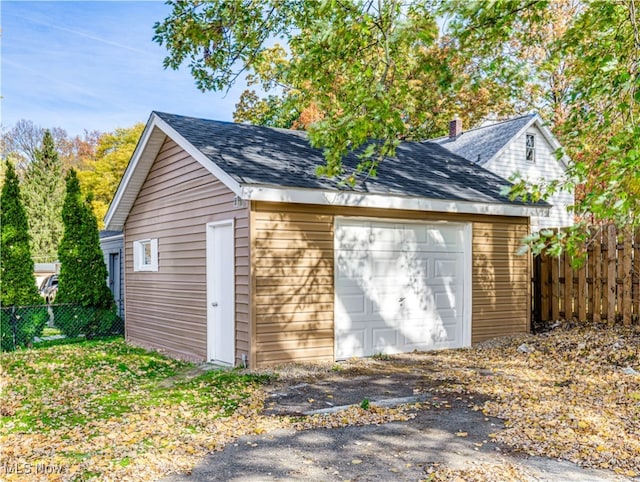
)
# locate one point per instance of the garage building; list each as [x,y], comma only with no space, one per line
[237,253]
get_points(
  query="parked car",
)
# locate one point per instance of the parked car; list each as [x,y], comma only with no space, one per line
[49,288]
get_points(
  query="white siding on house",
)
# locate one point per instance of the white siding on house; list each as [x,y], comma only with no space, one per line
[545,167]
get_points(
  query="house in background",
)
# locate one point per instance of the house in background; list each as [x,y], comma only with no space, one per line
[523,144]
[237,253]
[112,244]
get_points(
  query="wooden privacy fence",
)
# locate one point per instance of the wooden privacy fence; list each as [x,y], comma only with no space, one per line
[605,289]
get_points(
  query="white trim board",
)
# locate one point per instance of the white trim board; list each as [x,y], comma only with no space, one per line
[338,198]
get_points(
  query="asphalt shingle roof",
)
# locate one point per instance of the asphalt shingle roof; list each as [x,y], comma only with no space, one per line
[481,144]
[254,155]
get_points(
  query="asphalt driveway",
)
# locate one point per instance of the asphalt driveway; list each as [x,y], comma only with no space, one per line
[445,433]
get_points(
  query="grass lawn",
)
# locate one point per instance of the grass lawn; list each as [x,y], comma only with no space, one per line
[105,410]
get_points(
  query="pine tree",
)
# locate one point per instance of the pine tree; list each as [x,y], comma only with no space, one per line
[83,273]
[44,195]
[17,281]
[20,324]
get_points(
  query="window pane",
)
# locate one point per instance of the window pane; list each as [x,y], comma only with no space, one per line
[146,247]
[530,153]
[530,140]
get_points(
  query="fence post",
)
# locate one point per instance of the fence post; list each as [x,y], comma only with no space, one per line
[581,294]
[568,288]
[14,327]
[596,293]
[544,287]
[636,276]
[612,248]
[555,287]
[536,292]
[627,278]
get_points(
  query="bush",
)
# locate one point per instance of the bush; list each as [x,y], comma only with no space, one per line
[74,320]
[104,322]
[20,325]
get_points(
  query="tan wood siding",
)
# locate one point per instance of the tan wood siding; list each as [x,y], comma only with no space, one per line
[167,309]
[293,285]
[501,280]
[293,279]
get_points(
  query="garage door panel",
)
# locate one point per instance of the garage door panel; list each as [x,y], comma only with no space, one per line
[371,235]
[399,287]
[384,339]
[447,301]
[446,268]
[353,343]
[354,304]
[432,238]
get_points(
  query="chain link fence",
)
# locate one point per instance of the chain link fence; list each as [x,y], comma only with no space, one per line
[27,326]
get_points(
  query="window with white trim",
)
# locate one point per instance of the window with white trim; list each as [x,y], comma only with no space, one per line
[145,255]
[531,148]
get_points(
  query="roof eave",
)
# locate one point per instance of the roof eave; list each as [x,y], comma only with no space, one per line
[136,172]
[110,238]
[157,130]
[383,201]
[151,141]
[552,140]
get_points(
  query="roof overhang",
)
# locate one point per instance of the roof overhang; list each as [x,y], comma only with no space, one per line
[111,238]
[383,201]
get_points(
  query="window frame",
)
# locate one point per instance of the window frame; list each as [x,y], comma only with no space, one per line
[530,148]
[139,255]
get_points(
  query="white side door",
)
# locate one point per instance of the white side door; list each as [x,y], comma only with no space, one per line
[220,292]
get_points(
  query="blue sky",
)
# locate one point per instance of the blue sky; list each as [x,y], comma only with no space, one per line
[93,65]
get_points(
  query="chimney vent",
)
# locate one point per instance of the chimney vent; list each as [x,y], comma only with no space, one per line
[455,128]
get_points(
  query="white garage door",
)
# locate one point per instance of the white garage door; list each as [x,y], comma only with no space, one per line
[400,287]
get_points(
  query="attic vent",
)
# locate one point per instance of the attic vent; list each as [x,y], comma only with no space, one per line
[238,202]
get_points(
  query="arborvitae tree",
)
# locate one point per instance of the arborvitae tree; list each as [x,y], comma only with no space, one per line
[17,281]
[44,195]
[19,325]
[83,273]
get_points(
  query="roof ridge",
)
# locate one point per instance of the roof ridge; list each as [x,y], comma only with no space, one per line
[513,119]
[298,132]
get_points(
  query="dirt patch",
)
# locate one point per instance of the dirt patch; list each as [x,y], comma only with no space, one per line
[338,390]
[187,375]
[398,379]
